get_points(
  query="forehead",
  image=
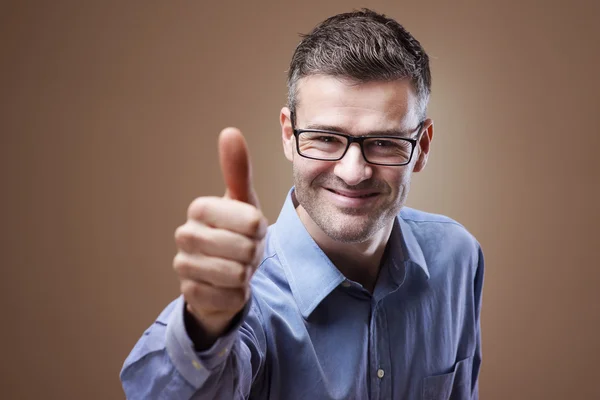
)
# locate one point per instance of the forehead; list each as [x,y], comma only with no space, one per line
[356,107]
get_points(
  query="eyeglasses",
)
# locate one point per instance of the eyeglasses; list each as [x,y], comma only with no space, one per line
[332,146]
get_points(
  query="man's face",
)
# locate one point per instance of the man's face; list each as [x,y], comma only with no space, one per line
[350,200]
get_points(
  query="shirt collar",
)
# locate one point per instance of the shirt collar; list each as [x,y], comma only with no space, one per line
[411,248]
[310,273]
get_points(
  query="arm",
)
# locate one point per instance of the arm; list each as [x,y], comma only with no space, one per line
[219,248]
[164,364]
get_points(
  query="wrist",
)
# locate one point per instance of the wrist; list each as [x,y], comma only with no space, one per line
[204,331]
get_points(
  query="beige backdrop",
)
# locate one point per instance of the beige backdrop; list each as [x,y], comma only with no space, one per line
[110,113]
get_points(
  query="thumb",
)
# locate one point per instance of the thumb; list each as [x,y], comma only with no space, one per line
[235,166]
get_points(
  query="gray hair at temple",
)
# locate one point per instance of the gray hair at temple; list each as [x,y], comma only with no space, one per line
[362,46]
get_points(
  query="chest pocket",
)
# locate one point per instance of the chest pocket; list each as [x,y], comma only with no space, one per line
[455,385]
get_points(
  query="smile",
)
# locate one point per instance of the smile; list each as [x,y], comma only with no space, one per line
[353,195]
[355,199]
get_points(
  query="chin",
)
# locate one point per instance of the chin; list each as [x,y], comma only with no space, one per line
[348,228]
[345,237]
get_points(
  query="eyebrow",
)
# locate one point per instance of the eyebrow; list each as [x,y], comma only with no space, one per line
[386,132]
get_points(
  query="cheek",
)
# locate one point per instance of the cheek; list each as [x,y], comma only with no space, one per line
[396,179]
[309,170]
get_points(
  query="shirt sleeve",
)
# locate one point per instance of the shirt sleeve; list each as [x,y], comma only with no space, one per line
[164,364]
[478,291]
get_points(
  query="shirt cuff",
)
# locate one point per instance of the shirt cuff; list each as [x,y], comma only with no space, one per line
[196,366]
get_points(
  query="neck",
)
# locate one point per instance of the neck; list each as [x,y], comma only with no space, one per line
[359,261]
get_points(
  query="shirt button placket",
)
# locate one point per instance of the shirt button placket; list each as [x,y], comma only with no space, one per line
[376,371]
[384,356]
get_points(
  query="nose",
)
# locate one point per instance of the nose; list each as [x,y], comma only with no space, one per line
[352,168]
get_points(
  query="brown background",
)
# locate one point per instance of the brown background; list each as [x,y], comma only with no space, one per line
[109,118]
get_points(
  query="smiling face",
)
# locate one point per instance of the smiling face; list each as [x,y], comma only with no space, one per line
[351,200]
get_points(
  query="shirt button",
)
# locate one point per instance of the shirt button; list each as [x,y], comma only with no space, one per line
[380,373]
[346,283]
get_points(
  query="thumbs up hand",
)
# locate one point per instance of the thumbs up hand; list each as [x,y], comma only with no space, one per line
[221,244]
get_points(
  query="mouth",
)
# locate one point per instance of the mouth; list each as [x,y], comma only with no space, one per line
[354,194]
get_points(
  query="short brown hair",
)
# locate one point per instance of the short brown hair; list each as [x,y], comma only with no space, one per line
[363,46]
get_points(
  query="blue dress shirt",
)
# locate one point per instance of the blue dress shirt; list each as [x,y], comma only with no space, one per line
[310,333]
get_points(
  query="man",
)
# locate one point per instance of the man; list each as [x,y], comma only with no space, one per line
[348,295]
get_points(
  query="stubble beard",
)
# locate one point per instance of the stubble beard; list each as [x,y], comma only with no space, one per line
[346,225]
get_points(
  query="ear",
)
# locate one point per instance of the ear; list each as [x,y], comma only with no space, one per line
[287,135]
[424,145]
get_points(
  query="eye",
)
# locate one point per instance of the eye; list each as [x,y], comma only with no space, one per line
[327,139]
[383,143]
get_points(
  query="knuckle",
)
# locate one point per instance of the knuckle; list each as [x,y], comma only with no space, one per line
[245,275]
[190,290]
[181,264]
[240,275]
[255,223]
[194,240]
[179,231]
[254,220]
[231,273]
[182,237]
[249,250]
[258,254]
[176,262]
[201,241]
[198,208]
